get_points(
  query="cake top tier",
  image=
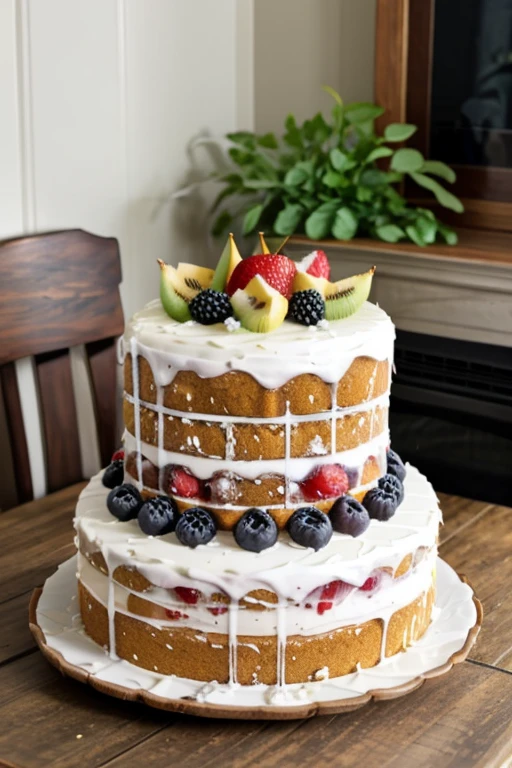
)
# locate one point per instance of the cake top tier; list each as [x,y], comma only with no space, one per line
[272,358]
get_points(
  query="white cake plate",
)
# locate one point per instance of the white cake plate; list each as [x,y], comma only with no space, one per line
[57,627]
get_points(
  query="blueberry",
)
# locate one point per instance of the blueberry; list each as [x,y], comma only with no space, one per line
[124,502]
[348,516]
[158,516]
[395,465]
[256,530]
[310,527]
[195,526]
[114,474]
[382,501]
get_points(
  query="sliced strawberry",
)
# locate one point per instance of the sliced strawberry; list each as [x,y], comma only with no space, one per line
[316,264]
[118,455]
[175,615]
[371,583]
[182,483]
[218,611]
[277,270]
[325,482]
[188,595]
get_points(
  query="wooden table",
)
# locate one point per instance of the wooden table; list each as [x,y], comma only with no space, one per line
[462,719]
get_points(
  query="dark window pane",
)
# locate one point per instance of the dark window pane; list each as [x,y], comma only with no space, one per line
[471,109]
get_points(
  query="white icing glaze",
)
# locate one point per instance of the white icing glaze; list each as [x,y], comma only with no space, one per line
[453,617]
[271,358]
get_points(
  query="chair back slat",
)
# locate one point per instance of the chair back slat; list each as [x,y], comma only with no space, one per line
[58,290]
[16,439]
[60,425]
[102,359]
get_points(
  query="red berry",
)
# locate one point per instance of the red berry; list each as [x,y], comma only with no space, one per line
[329,593]
[325,482]
[316,264]
[175,615]
[188,595]
[218,611]
[371,583]
[118,455]
[182,483]
[277,270]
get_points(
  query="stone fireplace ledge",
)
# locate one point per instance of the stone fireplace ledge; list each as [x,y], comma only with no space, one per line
[459,292]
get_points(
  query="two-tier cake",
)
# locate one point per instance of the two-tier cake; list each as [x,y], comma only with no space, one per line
[257,528]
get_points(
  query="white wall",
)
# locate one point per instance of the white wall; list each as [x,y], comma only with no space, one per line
[99,102]
[303,44]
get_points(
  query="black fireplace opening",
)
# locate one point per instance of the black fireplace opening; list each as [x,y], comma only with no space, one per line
[451,414]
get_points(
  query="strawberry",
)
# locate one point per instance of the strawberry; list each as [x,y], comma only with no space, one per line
[277,270]
[118,455]
[218,611]
[175,615]
[371,583]
[182,483]
[315,264]
[188,595]
[325,482]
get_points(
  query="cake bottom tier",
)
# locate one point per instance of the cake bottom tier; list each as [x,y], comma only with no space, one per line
[208,656]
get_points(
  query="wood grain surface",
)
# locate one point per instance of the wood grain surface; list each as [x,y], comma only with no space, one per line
[460,720]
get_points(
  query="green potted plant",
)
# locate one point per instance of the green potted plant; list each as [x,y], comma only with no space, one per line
[333,178]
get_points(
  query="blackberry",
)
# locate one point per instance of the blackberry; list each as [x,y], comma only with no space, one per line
[310,527]
[256,530]
[307,307]
[210,307]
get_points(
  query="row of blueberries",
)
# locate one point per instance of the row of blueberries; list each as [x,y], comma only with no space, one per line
[257,530]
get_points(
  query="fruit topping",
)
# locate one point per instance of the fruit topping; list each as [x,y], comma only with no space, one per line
[310,527]
[180,482]
[382,501]
[262,247]
[256,530]
[113,474]
[348,516]
[218,610]
[342,298]
[179,286]
[118,455]
[124,502]
[229,259]
[307,307]
[158,516]
[224,487]
[316,264]
[259,307]
[187,594]
[372,582]
[210,307]
[276,269]
[324,482]
[195,526]
[328,596]
[395,465]
[175,615]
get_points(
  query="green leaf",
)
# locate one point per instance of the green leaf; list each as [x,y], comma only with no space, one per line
[295,176]
[414,235]
[399,131]
[244,138]
[251,218]
[363,111]
[341,161]
[288,219]
[364,194]
[335,95]
[442,196]
[240,157]
[221,223]
[318,224]
[407,160]
[439,169]
[337,117]
[268,140]
[378,152]
[260,183]
[427,229]
[332,179]
[345,224]
[293,136]
[372,177]
[390,233]
[448,234]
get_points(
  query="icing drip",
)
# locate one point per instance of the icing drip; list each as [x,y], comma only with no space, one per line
[161,455]
[136,404]
[287,455]
[233,641]
[334,409]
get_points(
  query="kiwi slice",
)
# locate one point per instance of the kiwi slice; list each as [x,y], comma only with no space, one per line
[179,286]
[230,257]
[259,307]
[346,296]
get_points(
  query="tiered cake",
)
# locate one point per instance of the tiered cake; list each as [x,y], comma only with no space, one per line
[258,530]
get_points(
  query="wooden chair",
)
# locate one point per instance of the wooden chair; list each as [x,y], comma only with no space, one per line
[58,290]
